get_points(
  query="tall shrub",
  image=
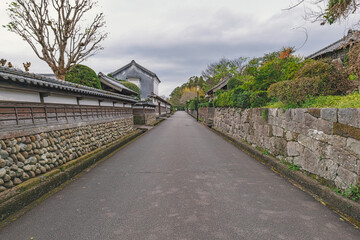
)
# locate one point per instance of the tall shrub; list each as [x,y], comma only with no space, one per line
[316,77]
[83,75]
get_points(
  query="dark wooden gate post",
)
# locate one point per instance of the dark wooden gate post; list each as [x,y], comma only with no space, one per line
[159,109]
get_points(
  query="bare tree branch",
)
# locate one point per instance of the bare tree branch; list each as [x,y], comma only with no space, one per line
[54,30]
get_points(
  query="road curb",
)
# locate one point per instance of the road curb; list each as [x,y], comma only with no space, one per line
[348,209]
[30,191]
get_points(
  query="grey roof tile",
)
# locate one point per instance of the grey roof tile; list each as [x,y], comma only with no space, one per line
[51,83]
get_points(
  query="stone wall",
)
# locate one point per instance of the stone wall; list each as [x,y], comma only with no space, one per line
[145,119]
[207,114]
[26,156]
[150,118]
[324,142]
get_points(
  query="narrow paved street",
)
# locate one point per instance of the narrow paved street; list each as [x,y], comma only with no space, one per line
[180,181]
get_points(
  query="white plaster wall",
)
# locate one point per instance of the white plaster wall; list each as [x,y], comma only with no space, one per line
[156,87]
[89,102]
[60,99]
[106,104]
[21,96]
[127,105]
[136,81]
[119,104]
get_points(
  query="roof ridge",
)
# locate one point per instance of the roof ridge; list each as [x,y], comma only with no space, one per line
[21,76]
[133,62]
[345,38]
[117,82]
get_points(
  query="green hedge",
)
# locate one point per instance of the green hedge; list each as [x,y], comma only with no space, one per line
[314,79]
[132,86]
[192,104]
[237,97]
[83,75]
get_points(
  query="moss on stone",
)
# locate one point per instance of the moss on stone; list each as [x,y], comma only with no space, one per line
[315,112]
[346,131]
[28,184]
[139,120]
[51,173]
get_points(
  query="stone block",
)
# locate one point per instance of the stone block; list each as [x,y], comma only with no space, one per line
[298,115]
[311,143]
[272,112]
[329,114]
[310,121]
[349,116]
[327,169]
[299,160]
[346,131]
[294,149]
[318,135]
[351,164]
[291,136]
[338,155]
[325,126]
[337,141]
[353,145]
[315,112]
[287,115]
[277,131]
[311,161]
[278,146]
[345,178]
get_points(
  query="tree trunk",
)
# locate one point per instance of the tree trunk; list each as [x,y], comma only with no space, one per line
[60,73]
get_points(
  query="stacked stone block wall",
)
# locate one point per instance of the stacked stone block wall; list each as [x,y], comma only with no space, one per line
[26,156]
[150,118]
[323,142]
[207,114]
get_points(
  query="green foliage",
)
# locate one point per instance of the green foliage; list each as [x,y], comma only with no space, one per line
[337,9]
[265,114]
[237,97]
[205,105]
[83,75]
[129,85]
[347,101]
[275,70]
[296,91]
[293,166]
[315,78]
[233,83]
[258,99]
[132,86]
[353,192]
[179,92]
[192,104]
[266,152]
[224,68]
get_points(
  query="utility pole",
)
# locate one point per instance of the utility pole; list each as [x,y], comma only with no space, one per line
[197,103]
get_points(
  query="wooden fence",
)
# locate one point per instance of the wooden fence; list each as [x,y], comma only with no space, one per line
[20,114]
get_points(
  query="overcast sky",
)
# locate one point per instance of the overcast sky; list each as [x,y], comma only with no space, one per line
[177,39]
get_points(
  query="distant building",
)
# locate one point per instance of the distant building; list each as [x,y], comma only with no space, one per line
[221,85]
[338,49]
[112,85]
[146,80]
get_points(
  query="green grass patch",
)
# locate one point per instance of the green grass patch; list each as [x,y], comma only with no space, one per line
[348,101]
[352,192]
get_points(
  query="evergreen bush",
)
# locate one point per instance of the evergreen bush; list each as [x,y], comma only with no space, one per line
[83,75]
[315,78]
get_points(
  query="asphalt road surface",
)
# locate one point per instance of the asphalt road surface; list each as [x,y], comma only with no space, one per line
[180,181]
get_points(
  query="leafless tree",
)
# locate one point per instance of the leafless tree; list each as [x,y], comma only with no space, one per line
[239,63]
[54,31]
